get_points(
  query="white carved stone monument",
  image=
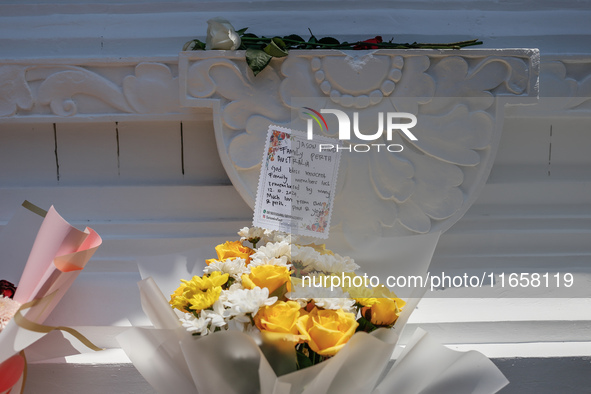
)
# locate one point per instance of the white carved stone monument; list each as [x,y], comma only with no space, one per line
[389,208]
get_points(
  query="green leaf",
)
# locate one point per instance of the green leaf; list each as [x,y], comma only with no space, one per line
[229,283]
[368,314]
[250,35]
[329,41]
[293,40]
[365,325]
[241,31]
[253,41]
[294,37]
[257,60]
[303,360]
[280,43]
[194,45]
[276,48]
[280,291]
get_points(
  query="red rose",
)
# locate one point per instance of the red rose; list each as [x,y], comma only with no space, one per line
[7,289]
[366,44]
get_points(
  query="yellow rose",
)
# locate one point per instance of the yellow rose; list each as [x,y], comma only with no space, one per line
[270,276]
[279,318]
[327,331]
[383,311]
[232,250]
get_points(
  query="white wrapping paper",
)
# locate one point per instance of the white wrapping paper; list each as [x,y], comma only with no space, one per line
[231,362]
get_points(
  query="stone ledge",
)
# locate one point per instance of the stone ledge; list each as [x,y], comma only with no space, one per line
[565,371]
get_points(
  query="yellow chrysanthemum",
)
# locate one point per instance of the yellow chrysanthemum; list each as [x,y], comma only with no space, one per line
[199,292]
[367,301]
[354,291]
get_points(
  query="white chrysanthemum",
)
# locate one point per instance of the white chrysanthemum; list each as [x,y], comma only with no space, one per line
[238,325]
[323,297]
[264,260]
[215,319]
[344,303]
[304,257]
[273,253]
[241,302]
[269,236]
[207,321]
[195,325]
[265,235]
[277,236]
[274,250]
[234,267]
[335,264]
[310,260]
[303,294]
[233,287]
[225,293]
[303,301]
[251,233]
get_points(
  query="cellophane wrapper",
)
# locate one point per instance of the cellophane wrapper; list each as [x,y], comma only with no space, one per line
[172,360]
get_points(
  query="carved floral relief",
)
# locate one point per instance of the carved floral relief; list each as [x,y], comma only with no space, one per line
[424,188]
[14,91]
[62,90]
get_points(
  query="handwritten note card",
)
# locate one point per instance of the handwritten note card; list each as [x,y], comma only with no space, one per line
[297,183]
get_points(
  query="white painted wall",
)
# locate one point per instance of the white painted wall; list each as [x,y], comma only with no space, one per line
[140,28]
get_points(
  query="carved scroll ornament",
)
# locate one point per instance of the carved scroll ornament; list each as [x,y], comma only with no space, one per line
[69,90]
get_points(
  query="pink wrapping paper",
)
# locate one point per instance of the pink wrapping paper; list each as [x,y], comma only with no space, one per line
[12,374]
[58,254]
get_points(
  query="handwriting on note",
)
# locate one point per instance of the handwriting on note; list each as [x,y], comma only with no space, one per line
[296,184]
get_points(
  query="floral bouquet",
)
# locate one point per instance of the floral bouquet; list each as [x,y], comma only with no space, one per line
[257,320]
[55,253]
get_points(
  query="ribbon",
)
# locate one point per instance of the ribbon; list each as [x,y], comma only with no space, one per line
[34,208]
[27,324]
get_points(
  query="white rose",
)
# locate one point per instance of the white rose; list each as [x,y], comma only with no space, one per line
[221,35]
